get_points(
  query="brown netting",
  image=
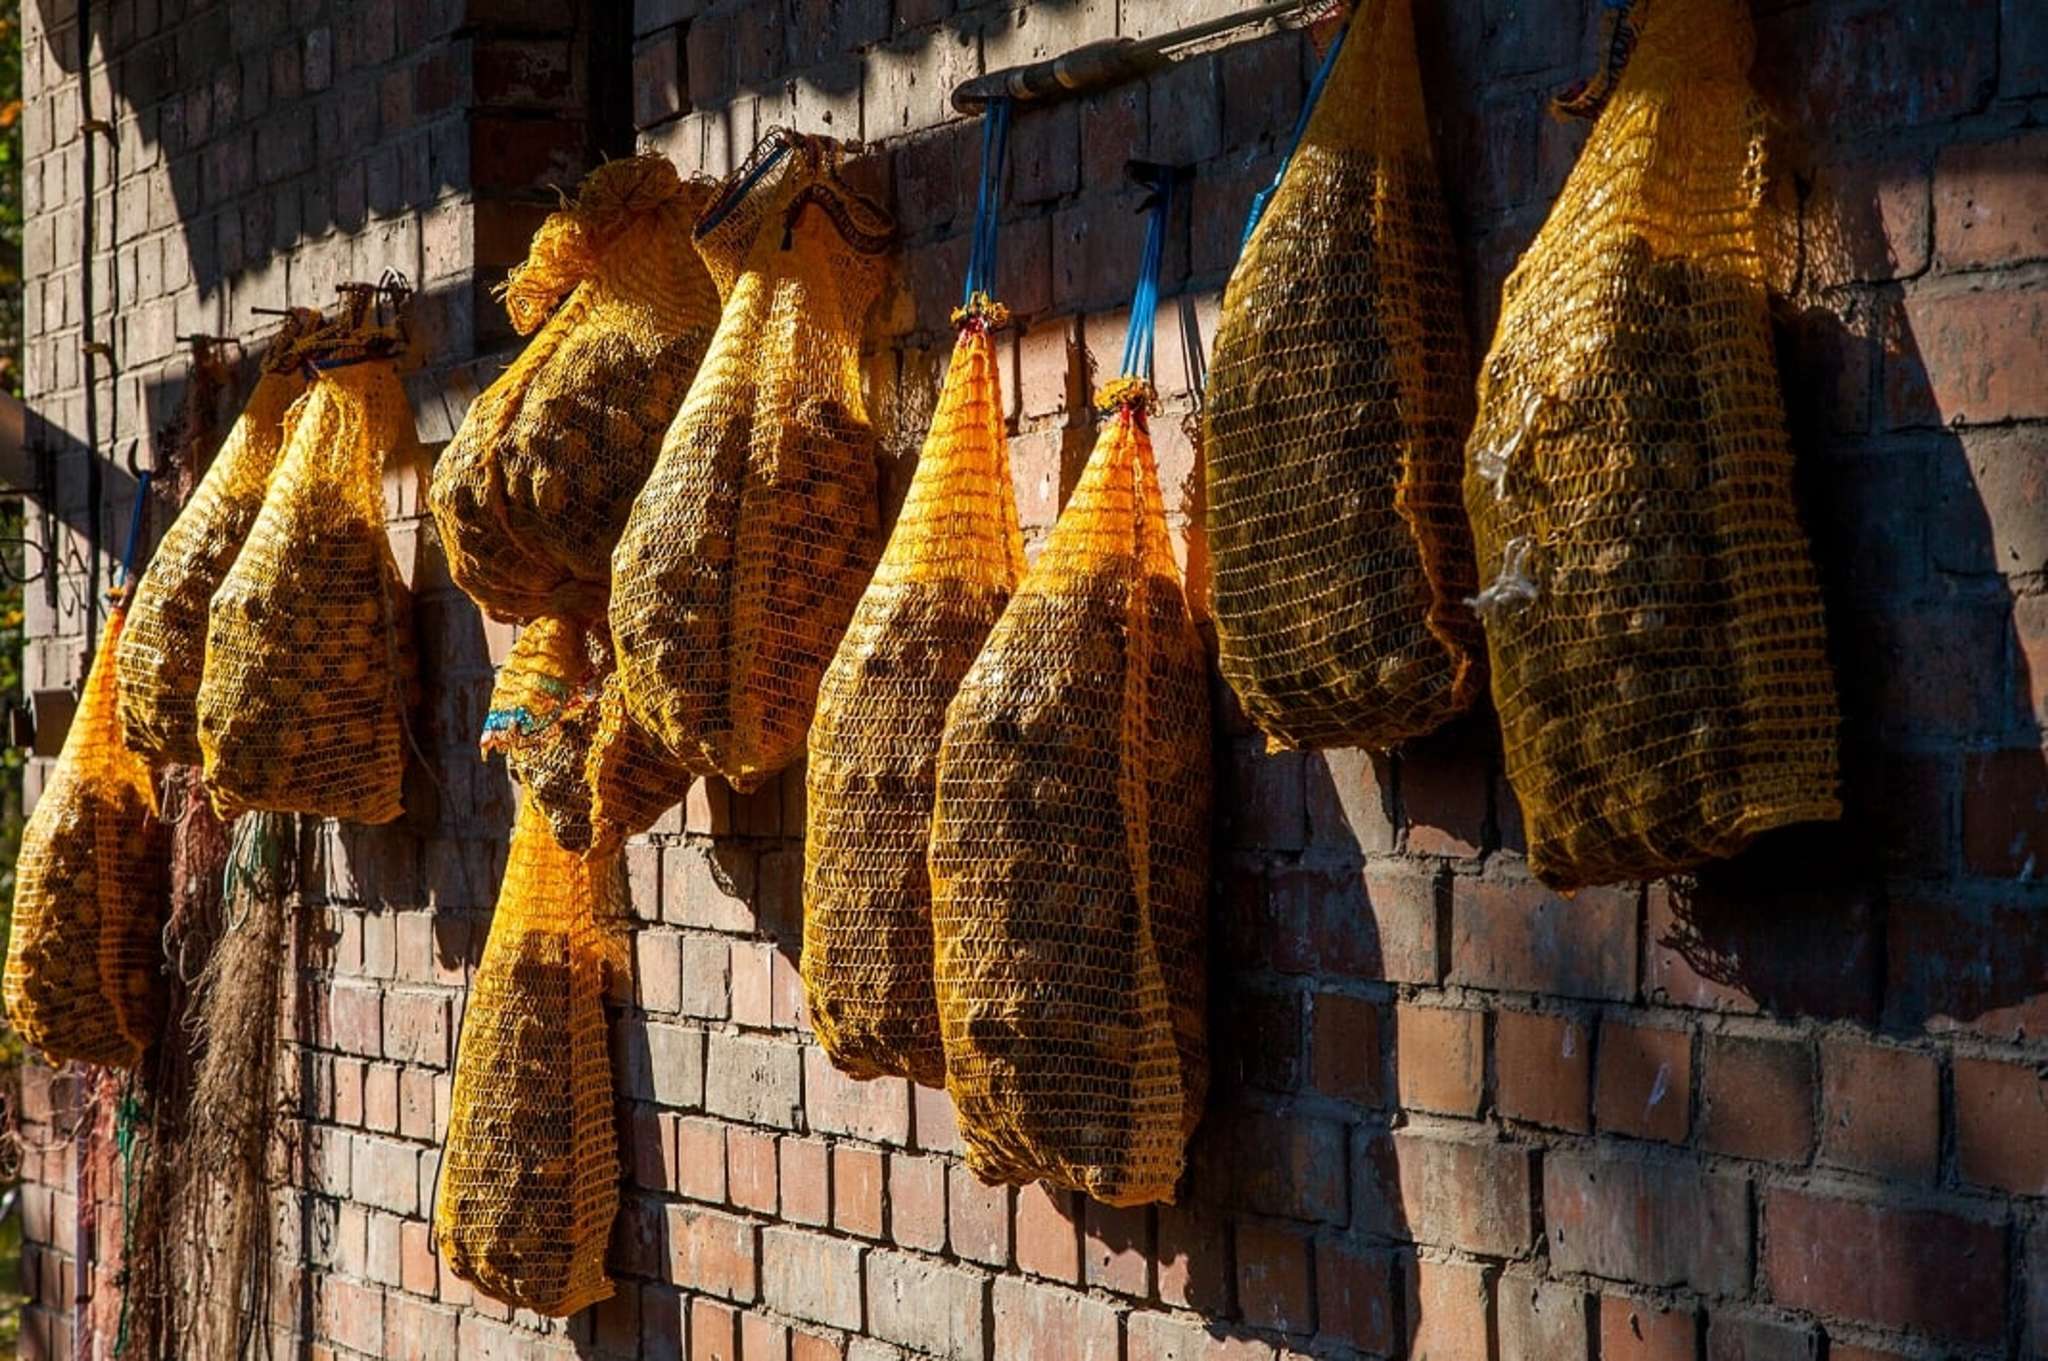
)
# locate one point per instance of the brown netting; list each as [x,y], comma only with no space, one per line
[1651,610]
[530,1171]
[744,556]
[163,650]
[1337,406]
[1069,854]
[589,768]
[309,657]
[532,492]
[953,560]
[84,976]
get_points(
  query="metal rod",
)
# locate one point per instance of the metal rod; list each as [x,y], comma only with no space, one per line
[1111,61]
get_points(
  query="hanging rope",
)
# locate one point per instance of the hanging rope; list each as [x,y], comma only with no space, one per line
[125,573]
[975,293]
[1308,107]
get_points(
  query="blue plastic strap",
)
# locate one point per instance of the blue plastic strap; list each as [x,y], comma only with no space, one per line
[995,147]
[723,207]
[1145,298]
[1308,107]
[127,568]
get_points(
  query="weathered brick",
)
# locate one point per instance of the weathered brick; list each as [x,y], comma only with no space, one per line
[1289,1165]
[1164,1337]
[977,1218]
[1440,1058]
[917,1201]
[1519,936]
[706,981]
[1539,1320]
[2002,1125]
[1116,1248]
[1273,1278]
[1643,1082]
[714,1331]
[1757,1098]
[1976,355]
[1880,1109]
[1355,1296]
[2005,811]
[1861,66]
[1542,1069]
[661,1063]
[1345,1058]
[385,1173]
[712,1252]
[1045,1323]
[1985,214]
[876,1111]
[1605,1214]
[750,1168]
[763,1339]
[1733,1337]
[806,1181]
[1924,1270]
[857,1192]
[1448,1192]
[937,1309]
[812,1277]
[753,1080]
[1448,1303]
[1631,1330]
[1048,1234]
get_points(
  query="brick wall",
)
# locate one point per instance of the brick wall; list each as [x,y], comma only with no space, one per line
[1794,1110]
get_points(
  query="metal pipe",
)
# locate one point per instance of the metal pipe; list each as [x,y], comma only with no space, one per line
[1112,61]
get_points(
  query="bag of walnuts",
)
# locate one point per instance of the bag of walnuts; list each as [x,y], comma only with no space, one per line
[163,648]
[1651,608]
[1336,410]
[530,1170]
[955,556]
[310,667]
[587,767]
[743,558]
[1070,843]
[84,975]
[531,494]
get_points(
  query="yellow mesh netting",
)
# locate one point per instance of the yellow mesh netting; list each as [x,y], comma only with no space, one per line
[1651,610]
[1337,406]
[532,492]
[84,961]
[530,1170]
[744,556]
[954,558]
[556,713]
[309,657]
[163,649]
[1069,855]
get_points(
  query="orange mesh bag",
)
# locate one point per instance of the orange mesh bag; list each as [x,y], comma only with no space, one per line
[1651,610]
[530,1170]
[953,560]
[163,648]
[1337,408]
[744,556]
[532,492]
[309,658]
[589,769]
[1069,852]
[84,973]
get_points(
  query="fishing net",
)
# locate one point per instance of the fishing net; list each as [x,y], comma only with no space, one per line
[530,1171]
[84,977]
[532,492]
[1337,407]
[588,767]
[163,649]
[744,556]
[309,657]
[1651,610]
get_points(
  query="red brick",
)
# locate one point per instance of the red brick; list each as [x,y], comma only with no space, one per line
[1116,1248]
[1853,68]
[1918,1270]
[1880,1109]
[1440,1058]
[1643,1081]
[1048,1236]
[1265,1034]
[1757,1098]
[763,1339]
[1443,793]
[349,1075]
[812,1277]
[1447,1310]
[1850,1352]
[1155,1336]
[355,1018]
[714,1332]
[1403,903]
[1542,1069]
[753,983]
[2035,1277]
[806,1181]
[1539,1321]
[1518,936]
[1731,1337]
[416,1331]
[385,1173]
[1273,1278]
[657,82]
[1355,1296]
[416,1028]
[857,1191]
[2005,811]
[416,1104]
[812,1347]
[876,1111]
[1044,1323]
[937,1128]
[1990,204]
[1194,1259]
[1634,1331]
[1291,1165]
[712,1252]
[750,1164]
[700,1158]
[1448,1192]
[1869,219]
[1981,354]
[1345,1058]
[1609,1216]
[419,1270]
[917,1201]
[977,1218]
[2002,1125]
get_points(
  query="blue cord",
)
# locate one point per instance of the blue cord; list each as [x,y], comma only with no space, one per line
[1308,105]
[723,208]
[127,568]
[1145,298]
[995,146]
